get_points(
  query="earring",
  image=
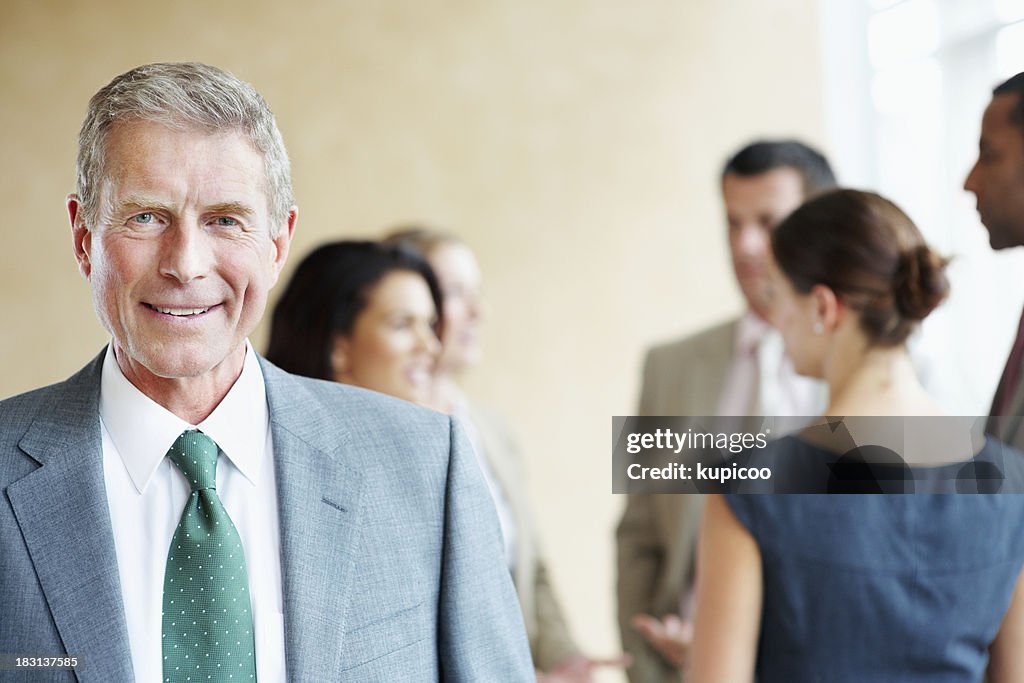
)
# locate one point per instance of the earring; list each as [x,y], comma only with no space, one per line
[818,327]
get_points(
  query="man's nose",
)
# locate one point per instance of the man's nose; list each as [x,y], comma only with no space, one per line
[474,306]
[186,253]
[970,182]
[752,240]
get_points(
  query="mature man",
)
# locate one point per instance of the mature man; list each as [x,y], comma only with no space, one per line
[296,529]
[737,368]
[997,180]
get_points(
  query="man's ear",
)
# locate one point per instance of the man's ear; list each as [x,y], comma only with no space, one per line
[829,308]
[81,236]
[283,241]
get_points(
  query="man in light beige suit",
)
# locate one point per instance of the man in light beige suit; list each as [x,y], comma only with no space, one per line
[735,368]
[997,180]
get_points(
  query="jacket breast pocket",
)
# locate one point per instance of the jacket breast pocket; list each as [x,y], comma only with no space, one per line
[386,638]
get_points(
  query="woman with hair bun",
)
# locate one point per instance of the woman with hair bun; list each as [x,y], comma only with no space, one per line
[854,265]
[865,588]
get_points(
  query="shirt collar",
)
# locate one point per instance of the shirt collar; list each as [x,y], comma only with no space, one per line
[143,431]
[750,331]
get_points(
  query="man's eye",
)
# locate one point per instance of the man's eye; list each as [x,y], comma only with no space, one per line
[225,221]
[144,218]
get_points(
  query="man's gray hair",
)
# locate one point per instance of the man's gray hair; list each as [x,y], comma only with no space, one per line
[182,95]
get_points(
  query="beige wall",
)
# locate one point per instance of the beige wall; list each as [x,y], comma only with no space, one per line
[574,144]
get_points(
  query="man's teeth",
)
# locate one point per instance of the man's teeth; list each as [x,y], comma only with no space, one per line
[181,311]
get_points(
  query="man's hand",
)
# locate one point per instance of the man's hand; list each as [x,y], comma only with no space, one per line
[670,636]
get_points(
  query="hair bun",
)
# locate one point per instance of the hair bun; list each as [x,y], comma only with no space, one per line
[920,282]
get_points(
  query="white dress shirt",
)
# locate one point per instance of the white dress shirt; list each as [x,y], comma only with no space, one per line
[146,495]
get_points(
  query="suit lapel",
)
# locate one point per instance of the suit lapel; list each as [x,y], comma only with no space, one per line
[319,509]
[61,508]
[1009,424]
[704,376]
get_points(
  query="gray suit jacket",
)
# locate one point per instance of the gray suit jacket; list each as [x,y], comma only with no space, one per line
[657,536]
[391,552]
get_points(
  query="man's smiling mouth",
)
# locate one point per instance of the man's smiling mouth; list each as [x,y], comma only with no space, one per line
[179,312]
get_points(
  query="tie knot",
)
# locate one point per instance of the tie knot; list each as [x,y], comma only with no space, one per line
[195,454]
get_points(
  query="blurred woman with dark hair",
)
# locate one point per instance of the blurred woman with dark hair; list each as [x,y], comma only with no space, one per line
[860,588]
[361,313]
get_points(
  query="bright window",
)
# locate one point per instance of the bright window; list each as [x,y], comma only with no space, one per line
[906,83]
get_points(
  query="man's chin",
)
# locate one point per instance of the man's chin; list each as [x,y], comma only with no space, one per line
[1000,242]
[177,364]
[756,298]
[1003,236]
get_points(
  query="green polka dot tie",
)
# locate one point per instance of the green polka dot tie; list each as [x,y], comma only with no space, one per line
[207,619]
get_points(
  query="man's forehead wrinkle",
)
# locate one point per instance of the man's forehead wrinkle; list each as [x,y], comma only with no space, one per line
[140,201]
[210,195]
